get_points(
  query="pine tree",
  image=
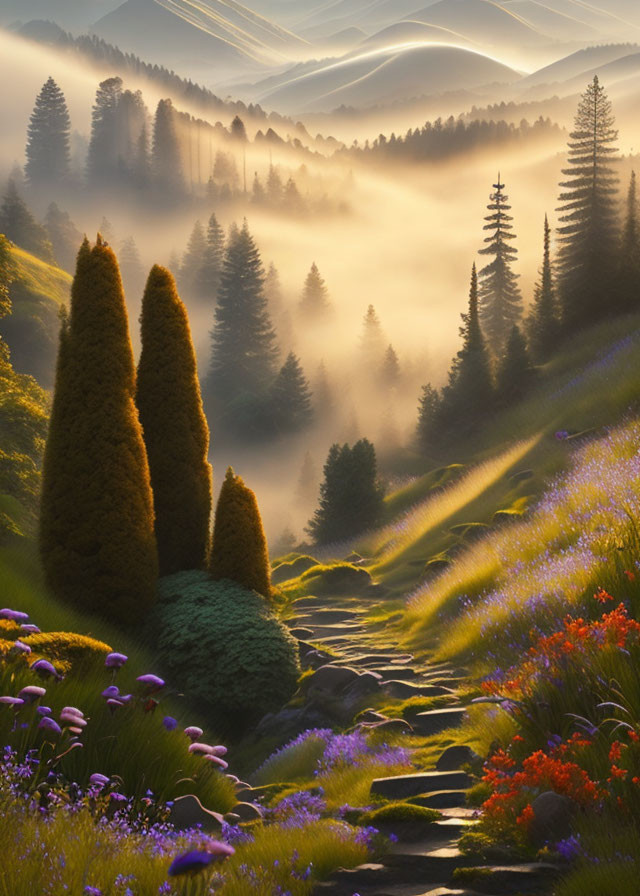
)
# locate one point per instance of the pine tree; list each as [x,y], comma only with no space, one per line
[238,130]
[291,398]
[629,267]
[275,190]
[211,268]
[515,373]
[141,170]
[469,393]
[166,160]
[428,433]
[131,123]
[308,482]
[324,404]
[372,340]
[543,324]
[273,290]
[63,235]
[175,429]
[314,303]
[18,225]
[225,170]
[131,268]
[102,158]
[499,296]
[588,212]
[48,135]
[243,342]
[239,551]
[351,498]
[96,527]
[292,200]
[390,371]
[192,262]
[258,191]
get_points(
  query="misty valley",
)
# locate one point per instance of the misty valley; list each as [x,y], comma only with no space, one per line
[319,448]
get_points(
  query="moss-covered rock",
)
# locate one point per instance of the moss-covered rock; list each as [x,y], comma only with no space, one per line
[68,651]
[338,579]
[224,647]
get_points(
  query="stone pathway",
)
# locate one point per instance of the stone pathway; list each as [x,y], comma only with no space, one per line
[426,861]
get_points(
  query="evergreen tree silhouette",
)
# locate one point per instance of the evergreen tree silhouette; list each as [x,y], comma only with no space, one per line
[428,433]
[238,130]
[175,429]
[18,224]
[102,158]
[213,258]
[48,135]
[131,268]
[543,323]
[275,190]
[500,300]
[515,373]
[372,339]
[629,267]
[291,398]
[314,303]
[390,372]
[166,160]
[193,261]
[64,237]
[588,213]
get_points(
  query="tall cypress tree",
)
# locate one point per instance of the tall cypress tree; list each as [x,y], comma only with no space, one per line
[291,397]
[499,295]
[166,159]
[48,134]
[543,323]
[239,551]
[629,267]
[102,158]
[588,213]
[314,303]
[469,392]
[18,224]
[244,351]
[175,429]
[96,525]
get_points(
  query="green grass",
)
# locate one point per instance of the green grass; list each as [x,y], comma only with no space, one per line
[398,813]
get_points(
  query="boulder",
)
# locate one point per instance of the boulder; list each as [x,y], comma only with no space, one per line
[340,579]
[437,720]
[188,812]
[553,813]
[247,811]
[455,757]
[331,679]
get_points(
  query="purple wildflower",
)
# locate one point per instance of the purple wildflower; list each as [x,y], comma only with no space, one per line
[45,668]
[151,682]
[13,615]
[28,628]
[21,647]
[49,725]
[92,891]
[197,860]
[170,723]
[193,733]
[98,780]
[111,692]
[32,693]
[12,701]
[44,710]
[115,660]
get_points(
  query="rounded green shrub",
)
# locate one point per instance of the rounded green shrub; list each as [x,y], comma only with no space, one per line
[68,651]
[224,647]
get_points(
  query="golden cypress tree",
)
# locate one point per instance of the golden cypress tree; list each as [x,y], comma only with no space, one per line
[175,428]
[96,532]
[239,550]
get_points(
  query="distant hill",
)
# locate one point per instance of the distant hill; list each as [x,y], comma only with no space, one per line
[409,31]
[387,76]
[482,21]
[71,14]
[215,36]
[577,64]
[557,23]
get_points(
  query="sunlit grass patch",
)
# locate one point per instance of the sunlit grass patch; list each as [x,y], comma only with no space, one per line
[399,812]
[391,543]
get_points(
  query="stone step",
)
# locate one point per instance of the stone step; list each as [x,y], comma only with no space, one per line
[442,799]
[401,787]
[403,690]
[325,617]
[394,671]
[437,720]
[531,879]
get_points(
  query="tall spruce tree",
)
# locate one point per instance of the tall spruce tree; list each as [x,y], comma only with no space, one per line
[239,551]
[468,396]
[588,213]
[102,158]
[275,189]
[273,290]
[543,323]
[64,236]
[18,224]
[48,135]
[244,351]
[97,539]
[515,373]
[314,302]
[192,262]
[372,339]
[351,498]
[428,434]
[291,398]
[213,258]
[166,159]
[500,300]
[175,429]
[390,371]
[629,266]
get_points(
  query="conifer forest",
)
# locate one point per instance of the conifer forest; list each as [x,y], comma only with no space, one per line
[319,448]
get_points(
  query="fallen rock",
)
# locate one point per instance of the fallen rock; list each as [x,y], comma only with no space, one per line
[188,812]
[553,814]
[455,757]
[247,812]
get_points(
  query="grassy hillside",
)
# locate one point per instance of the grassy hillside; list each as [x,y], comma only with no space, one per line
[31,330]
